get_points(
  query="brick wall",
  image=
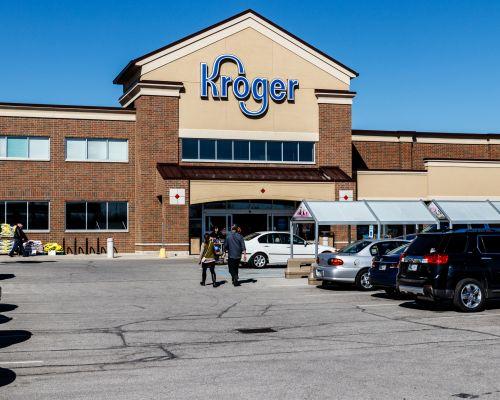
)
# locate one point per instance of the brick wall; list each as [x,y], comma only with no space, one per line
[401,155]
[59,181]
[341,232]
[335,145]
[157,127]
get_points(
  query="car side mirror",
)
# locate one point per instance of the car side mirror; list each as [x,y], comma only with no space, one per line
[374,251]
[305,244]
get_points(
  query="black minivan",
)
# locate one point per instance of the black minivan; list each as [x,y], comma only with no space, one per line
[462,266]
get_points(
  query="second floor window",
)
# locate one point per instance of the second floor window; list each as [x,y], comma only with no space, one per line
[247,151]
[25,148]
[83,149]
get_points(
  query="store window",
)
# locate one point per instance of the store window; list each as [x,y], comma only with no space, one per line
[241,150]
[291,151]
[24,148]
[34,215]
[247,150]
[207,149]
[107,150]
[94,216]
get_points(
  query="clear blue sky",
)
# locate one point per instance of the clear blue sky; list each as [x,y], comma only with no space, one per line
[424,65]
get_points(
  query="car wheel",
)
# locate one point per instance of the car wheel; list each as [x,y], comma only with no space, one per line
[258,260]
[469,295]
[363,280]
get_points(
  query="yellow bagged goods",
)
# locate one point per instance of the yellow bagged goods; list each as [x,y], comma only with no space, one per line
[52,246]
[6,230]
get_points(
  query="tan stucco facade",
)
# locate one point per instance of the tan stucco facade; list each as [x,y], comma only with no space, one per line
[262,57]
[443,180]
[207,191]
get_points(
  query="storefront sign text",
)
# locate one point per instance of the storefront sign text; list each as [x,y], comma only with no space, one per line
[260,89]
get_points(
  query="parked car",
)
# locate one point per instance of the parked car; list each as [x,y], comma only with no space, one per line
[352,263]
[462,266]
[384,270]
[273,248]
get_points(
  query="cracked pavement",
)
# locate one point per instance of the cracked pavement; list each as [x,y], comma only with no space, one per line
[146,329]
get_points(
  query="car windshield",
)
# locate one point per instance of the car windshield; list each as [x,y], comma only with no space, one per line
[251,236]
[399,250]
[355,247]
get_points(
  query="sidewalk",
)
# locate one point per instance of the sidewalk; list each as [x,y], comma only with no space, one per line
[70,257]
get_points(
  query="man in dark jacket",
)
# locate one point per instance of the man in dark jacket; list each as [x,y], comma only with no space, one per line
[235,246]
[19,238]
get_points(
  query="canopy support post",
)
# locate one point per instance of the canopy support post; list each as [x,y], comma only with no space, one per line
[291,238]
[379,227]
[316,237]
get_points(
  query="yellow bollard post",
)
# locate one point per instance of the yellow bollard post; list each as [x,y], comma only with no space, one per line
[163,253]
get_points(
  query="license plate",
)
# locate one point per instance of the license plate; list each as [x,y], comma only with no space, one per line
[412,267]
[382,267]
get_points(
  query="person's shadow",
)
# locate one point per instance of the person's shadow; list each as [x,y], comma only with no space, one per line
[7,307]
[8,338]
[219,283]
[6,276]
[247,281]
[7,376]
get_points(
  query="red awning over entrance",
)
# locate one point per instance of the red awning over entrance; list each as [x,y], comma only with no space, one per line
[301,174]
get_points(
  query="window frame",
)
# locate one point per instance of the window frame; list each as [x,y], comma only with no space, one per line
[28,158]
[86,216]
[250,160]
[87,159]
[27,230]
[479,237]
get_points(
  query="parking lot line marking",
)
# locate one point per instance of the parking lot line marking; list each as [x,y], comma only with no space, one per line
[378,305]
[20,362]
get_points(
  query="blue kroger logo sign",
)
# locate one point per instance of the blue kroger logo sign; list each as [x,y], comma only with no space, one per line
[260,89]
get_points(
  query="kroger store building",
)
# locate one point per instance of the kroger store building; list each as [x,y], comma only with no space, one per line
[236,123]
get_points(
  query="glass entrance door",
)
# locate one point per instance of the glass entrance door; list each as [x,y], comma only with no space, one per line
[250,223]
[219,221]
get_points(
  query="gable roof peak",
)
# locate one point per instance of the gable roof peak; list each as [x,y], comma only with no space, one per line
[134,65]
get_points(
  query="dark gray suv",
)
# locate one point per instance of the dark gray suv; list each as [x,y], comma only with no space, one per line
[462,266]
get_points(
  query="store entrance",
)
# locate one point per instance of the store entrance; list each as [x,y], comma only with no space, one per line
[250,223]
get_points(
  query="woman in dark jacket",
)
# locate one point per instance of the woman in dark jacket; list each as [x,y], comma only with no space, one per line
[207,260]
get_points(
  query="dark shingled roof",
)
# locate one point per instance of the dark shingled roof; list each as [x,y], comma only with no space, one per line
[322,174]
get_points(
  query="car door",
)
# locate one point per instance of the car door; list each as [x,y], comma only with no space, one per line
[300,247]
[278,251]
[489,249]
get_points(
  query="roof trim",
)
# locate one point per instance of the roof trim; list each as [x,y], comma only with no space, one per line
[151,88]
[470,135]
[21,110]
[66,106]
[131,67]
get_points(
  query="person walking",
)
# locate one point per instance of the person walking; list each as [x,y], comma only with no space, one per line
[207,260]
[235,246]
[19,238]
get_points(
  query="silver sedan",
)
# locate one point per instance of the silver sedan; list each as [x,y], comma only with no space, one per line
[351,264]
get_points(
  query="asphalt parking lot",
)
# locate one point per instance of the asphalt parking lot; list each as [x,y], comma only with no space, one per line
[146,329]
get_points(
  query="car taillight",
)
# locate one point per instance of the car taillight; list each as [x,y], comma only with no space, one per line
[335,261]
[436,258]
[317,260]
[402,257]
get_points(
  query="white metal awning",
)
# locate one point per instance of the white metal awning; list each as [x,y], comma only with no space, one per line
[335,213]
[381,212]
[469,212]
[402,212]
